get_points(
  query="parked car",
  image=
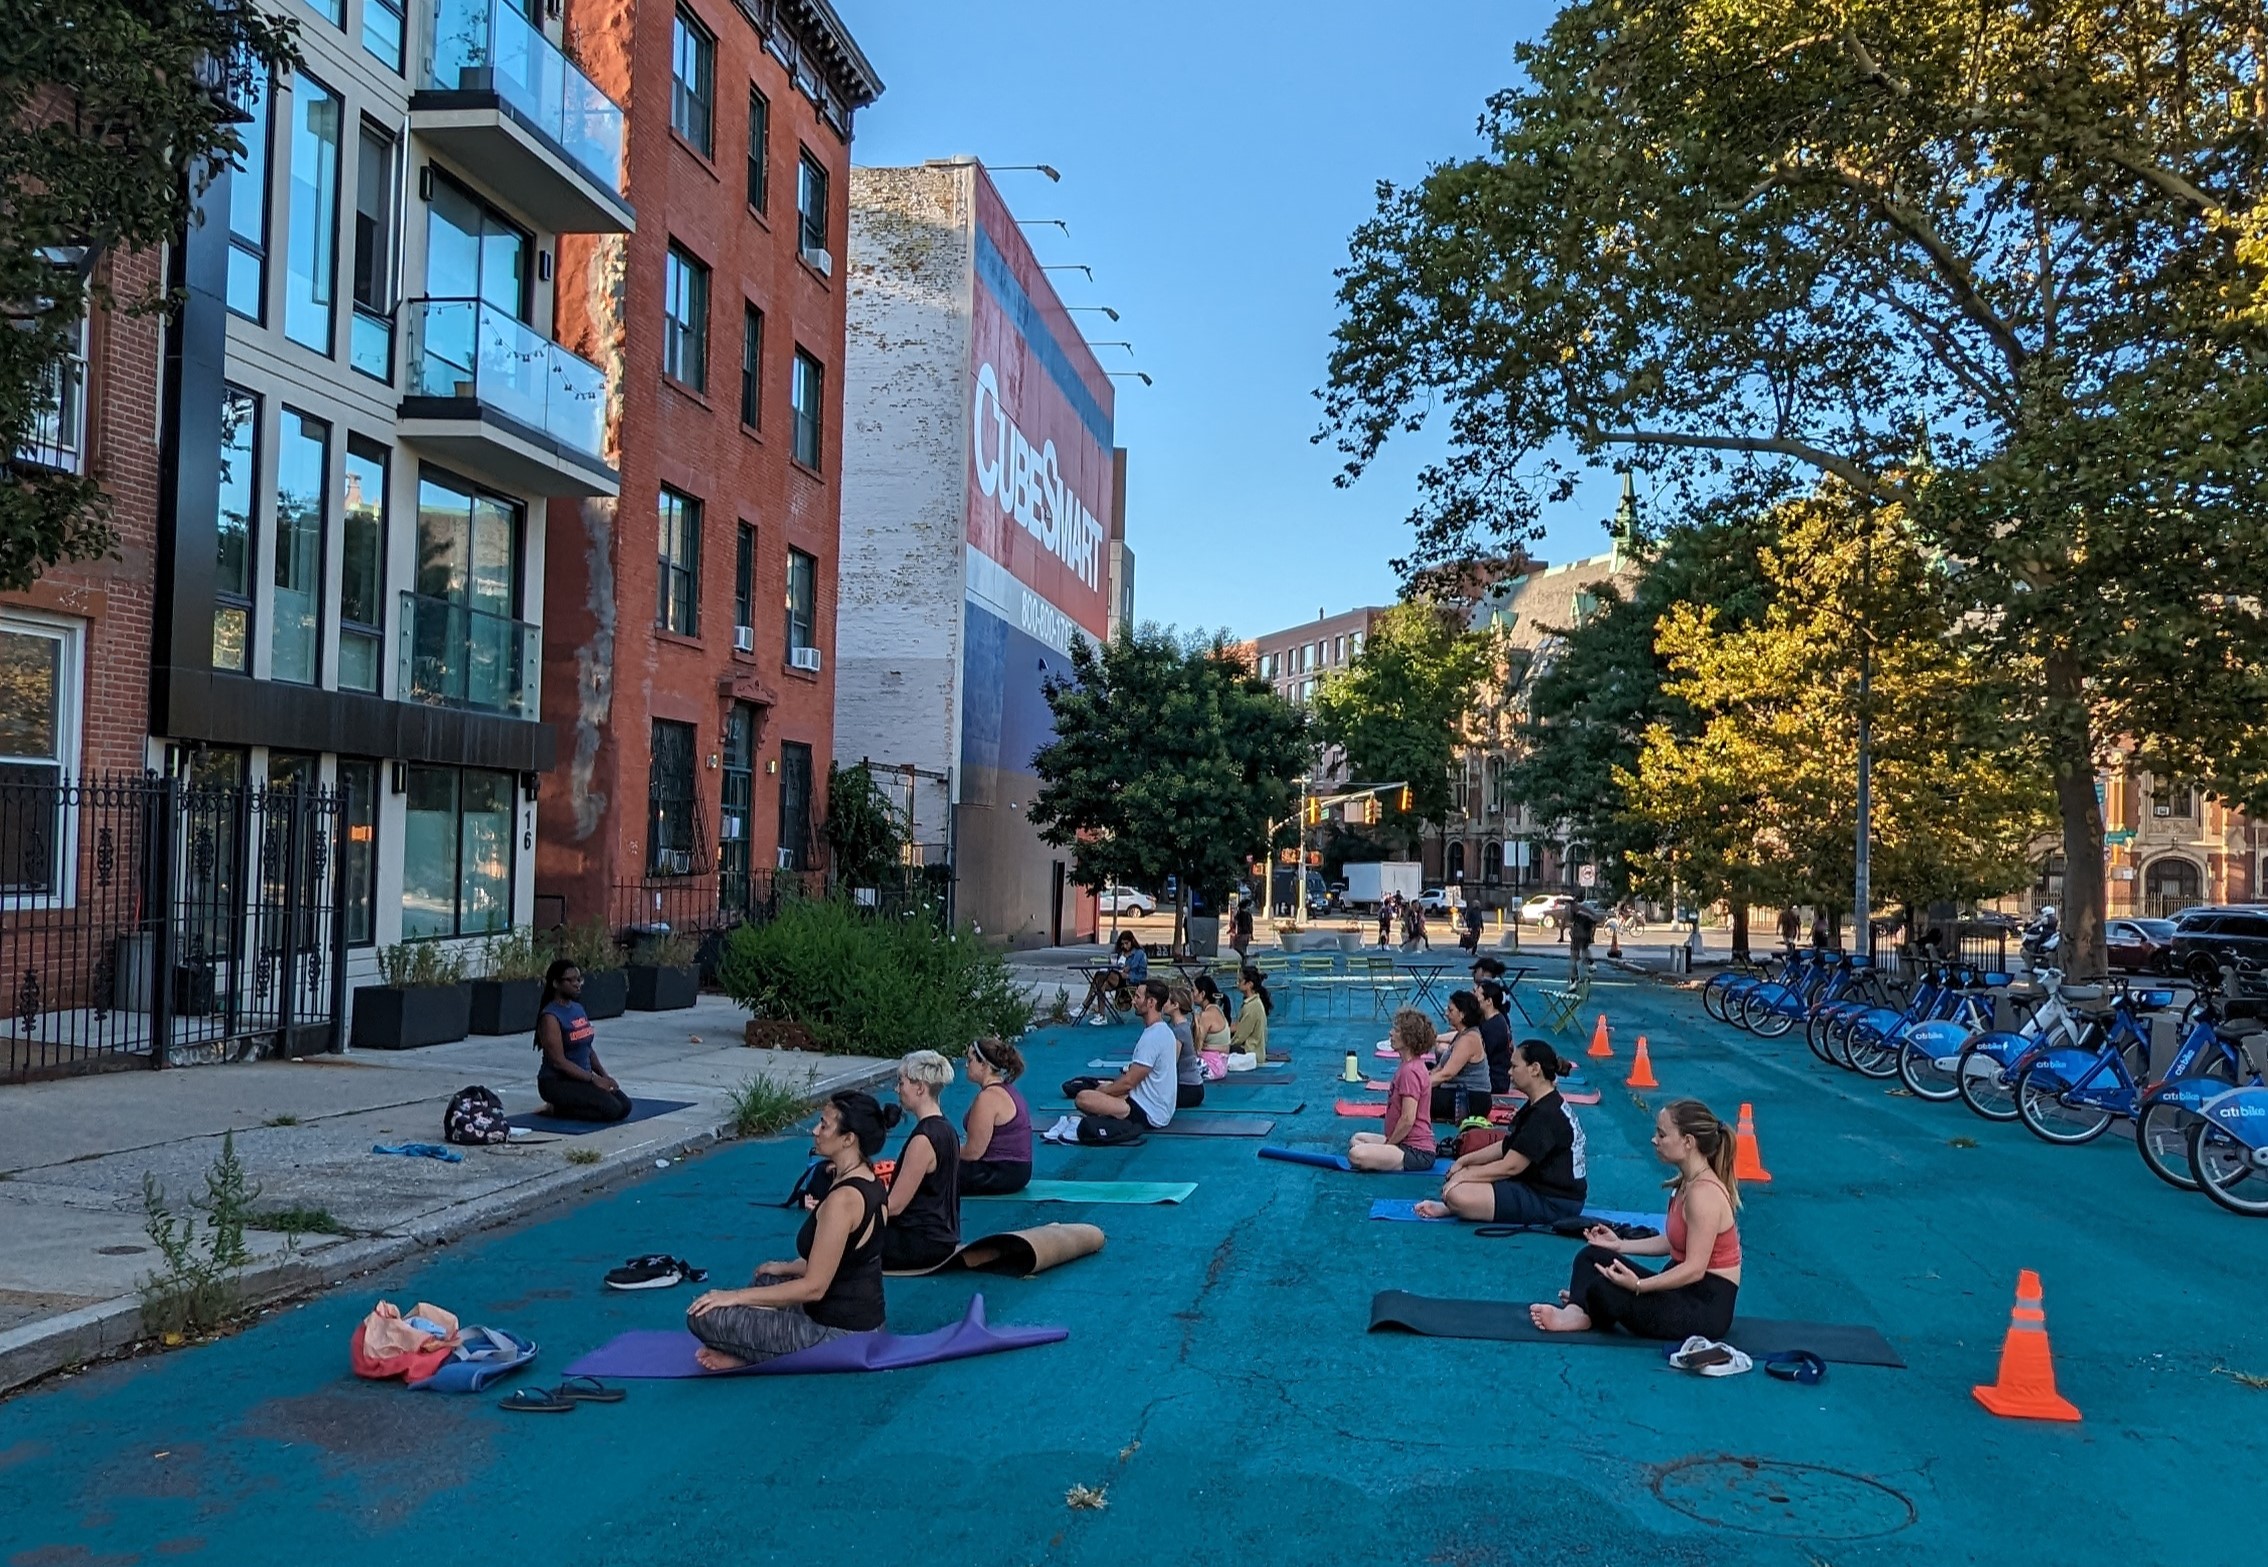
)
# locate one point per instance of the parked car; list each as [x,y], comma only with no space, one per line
[2203,935]
[2140,946]
[1434,900]
[1548,909]
[1125,900]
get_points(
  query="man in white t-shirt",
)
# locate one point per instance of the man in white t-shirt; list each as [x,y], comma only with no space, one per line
[1141,1098]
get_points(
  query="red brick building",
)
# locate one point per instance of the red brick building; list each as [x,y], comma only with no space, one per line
[689,624]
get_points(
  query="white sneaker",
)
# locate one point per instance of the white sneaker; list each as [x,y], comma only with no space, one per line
[1065,1130]
[1098,1021]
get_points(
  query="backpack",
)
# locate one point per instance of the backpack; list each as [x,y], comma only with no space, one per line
[475,1116]
[1472,1139]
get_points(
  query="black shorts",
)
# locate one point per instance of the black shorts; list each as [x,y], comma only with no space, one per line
[1418,1160]
[1519,1203]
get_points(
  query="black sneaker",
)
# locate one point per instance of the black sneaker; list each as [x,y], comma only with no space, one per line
[655,1272]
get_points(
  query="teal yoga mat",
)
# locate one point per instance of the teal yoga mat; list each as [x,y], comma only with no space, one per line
[1405,1209]
[1093,1191]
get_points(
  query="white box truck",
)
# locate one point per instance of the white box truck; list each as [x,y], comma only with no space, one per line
[1371,882]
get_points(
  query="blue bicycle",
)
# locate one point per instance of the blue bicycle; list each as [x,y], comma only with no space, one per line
[2228,1148]
[2071,1096]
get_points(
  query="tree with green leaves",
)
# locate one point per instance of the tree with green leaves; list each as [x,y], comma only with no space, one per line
[1813,239]
[1171,758]
[113,116]
[1398,710]
[865,839]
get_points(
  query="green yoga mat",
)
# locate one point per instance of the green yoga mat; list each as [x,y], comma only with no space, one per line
[1093,1191]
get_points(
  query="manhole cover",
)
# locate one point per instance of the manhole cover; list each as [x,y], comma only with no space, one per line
[1759,1496]
[120,1251]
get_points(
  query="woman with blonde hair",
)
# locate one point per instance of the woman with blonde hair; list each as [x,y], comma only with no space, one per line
[996,1135]
[924,1211]
[1696,1292]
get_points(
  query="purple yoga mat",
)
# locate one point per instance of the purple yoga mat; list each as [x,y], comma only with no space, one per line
[669,1352]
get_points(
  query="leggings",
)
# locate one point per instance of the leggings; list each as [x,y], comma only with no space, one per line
[1704,1306]
[755,1333]
[903,1253]
[1188,1096]
[573,1099]
[994,1177]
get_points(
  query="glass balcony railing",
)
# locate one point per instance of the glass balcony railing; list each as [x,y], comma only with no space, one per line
[487,46]
[469,348]
[458,656]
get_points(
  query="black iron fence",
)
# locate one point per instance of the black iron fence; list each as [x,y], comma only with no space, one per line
[147,919]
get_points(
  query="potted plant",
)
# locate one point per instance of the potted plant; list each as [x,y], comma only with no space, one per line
[505,998]
[590,947]
[663,975]
[421,999]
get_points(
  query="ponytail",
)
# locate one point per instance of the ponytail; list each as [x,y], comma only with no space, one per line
[560,967]
[1715,1140]
[1258,980]
[1000,1055]
[864,1117]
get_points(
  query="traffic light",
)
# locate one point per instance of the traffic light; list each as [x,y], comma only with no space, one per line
[1370,811]
[1314,811]
[1405,797]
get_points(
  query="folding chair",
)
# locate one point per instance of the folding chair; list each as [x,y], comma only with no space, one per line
[1315,973]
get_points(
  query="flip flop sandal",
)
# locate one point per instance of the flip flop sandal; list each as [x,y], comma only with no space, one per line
[589,1390]
[535,1401]
[1800,1366]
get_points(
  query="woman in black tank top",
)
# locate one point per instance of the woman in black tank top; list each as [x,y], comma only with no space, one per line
[833,1285]
[925,1189]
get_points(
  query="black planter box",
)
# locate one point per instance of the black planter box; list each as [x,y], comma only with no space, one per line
[390,1018]
[605,993]
[655,989]
[505,1006]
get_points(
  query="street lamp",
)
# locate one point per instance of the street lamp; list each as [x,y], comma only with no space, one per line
[1071,266]
[1139,375]
[1105,309]
[1047,223]
[1025,168]
[1116,342]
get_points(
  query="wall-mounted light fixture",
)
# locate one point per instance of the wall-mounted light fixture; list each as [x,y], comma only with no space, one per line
[531,784]
[400,779]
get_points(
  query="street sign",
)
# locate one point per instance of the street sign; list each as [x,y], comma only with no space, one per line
[2119,835]
[1588,876]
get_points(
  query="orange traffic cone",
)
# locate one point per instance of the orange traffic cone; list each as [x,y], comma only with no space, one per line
[2025,1389]
[1599,1046]
[1641,1069]
[1748,1164]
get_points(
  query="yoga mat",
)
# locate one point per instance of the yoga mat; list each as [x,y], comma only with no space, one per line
[1202,1123]
[1405,1209]
[669,1352]
[1018,1254]
[1339,1161]
[1574,1096]
[640,1110]
[1092,1191]
[1259,1076]
[1508,1321]
[1375,1110]
[1212,1106]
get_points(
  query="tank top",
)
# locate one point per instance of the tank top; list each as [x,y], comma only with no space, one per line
[1722,1256]
[933,1213]
[1188,1069]
[853,1301]
[575,1032]
[1474,1078]
[1012,1139]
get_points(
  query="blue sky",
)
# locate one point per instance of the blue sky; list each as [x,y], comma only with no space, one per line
[1215,159]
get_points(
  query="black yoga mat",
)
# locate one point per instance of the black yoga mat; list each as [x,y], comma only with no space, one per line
[1398,1310]
[1205,1123]
[640,1109]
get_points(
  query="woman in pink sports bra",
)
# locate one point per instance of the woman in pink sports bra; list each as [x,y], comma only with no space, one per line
[1695,1293]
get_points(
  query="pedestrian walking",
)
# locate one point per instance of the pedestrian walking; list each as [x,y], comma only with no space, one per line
[1470,941]
[1413,927]
[1582,927]
[1240,929]
[1791,929]
[1386,921]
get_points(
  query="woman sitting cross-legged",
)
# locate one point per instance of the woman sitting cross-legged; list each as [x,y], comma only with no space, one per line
[1214,1036]
[1536,1175]
[833,1284]
[1695,1293]
[1188,1066]
[925,1189]
[1460,1078]
[996,1135]
[1248,1035]
[1407,1143]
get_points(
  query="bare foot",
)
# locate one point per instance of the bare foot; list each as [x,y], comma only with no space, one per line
[717,1360]
[1429,1209]
[1560,1319]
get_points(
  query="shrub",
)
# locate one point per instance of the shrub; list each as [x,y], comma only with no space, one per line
[861,985]
[590,946]
[517,954]
[674,949]
[410,963]
[763,1105]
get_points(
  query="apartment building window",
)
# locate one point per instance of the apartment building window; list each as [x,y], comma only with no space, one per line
[679,582]
[759,150]
[248,205]
[811,202]
[358,850]
[39,744]
[795,806]
[685,319]
[807,392]
[382,31]
[370,336]
[58,435]
[467,648]
[744,577]
[232,571]
[751,366]
[736,807]
[802,596]
[362,567]
[457,844]
[672,836]
[472,251]
[692,83]
[303,463]
[311,253]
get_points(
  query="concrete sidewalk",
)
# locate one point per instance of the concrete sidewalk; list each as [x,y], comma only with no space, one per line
[73,1154]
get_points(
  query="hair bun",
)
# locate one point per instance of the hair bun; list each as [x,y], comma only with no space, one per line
[892,1114]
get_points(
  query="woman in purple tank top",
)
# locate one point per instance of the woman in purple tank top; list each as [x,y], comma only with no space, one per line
[996,1139]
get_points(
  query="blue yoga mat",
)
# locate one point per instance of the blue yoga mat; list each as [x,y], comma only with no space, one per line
[1336,1161]
[1405,1209]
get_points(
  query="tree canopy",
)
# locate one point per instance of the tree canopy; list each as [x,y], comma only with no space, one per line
[2032,242]
[112,116]
[1398,709]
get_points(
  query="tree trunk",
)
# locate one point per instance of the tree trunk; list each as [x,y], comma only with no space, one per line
[1739,907]
[2071,753]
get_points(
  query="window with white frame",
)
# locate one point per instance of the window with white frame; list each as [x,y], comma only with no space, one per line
[40,674]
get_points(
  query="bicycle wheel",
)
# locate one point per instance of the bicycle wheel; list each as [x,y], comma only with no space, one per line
[2050,1115]
[2161,1132]
[1983,1087]
[1839,1041]
[2225,1171]
[1874,1054]
[1815,1032]
[1923,1077]
[1714,995]
[1771,1018]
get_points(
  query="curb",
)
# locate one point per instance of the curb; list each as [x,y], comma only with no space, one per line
[112,1329]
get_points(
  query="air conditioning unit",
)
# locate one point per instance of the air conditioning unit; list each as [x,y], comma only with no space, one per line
[2163,810]
[804,658]
[819,261]
[744,639]
[787,859]
[677,862]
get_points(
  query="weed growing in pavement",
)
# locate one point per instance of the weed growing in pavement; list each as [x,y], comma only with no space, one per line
[1058,1010]
[1086,1498]
[1960,1142]
[763,1105]
[281,1120]
[298,1221]
[2246,1377]
[583,1156]
[199,1286]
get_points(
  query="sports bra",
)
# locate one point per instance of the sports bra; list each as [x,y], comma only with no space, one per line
[1723,1256]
